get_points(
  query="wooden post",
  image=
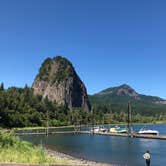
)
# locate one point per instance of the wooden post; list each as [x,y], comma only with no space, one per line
[130,126]
[47,127]
[128,119]
[92,120]
[110,116]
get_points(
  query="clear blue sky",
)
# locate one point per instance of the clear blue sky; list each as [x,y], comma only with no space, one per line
[109,42]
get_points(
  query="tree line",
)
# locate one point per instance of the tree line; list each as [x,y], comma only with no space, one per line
[20,108]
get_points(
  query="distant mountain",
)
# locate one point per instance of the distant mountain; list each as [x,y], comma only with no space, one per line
[122,94]
[58,81]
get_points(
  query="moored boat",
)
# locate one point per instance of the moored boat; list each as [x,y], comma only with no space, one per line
[118,129]
[146,131]
[95,129]
[103,129]
[98,129]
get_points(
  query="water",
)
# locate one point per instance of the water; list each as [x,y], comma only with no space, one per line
[108,149]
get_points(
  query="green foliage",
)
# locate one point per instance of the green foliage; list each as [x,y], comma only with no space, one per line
[20,108]
[45,70]
[7,140]
[114,101]
[13,149]
[117,113]
[64,71]
[79,116]
[1,86]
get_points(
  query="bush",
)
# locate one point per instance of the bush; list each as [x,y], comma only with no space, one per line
[13,149]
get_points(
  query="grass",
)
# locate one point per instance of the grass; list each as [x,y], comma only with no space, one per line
[38,128]
[14,150]
[161,122]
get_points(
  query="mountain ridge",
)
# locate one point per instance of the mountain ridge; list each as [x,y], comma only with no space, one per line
[125,92]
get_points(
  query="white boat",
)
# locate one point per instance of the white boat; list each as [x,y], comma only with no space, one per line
[146,131]
[98,129]
[95,129]
[103,129]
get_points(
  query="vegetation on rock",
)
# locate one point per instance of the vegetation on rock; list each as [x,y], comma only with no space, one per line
[65,70]
[45,70]
[58,80]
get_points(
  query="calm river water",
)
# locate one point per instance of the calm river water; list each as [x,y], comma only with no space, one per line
[108,149]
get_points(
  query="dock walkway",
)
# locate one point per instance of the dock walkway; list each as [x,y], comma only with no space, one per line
[161,137]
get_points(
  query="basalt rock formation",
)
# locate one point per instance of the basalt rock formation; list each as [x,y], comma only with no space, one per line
[58,81]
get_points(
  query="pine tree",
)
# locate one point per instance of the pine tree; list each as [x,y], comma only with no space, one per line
[2,86]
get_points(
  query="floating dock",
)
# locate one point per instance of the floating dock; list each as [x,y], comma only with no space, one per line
[161,137]
[44,133]
[135,135]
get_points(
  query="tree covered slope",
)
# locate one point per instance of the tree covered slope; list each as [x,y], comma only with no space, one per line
[118,97]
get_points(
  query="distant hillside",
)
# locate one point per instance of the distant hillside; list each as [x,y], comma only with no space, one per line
[121,95]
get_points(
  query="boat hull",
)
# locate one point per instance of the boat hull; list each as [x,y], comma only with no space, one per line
[148,132]
[118,130]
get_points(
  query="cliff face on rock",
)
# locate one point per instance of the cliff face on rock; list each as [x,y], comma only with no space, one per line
[58,81]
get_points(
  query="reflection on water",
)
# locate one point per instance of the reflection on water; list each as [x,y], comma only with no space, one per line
[109,149]
[146,143]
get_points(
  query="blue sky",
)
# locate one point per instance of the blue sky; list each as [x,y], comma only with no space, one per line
[109,42]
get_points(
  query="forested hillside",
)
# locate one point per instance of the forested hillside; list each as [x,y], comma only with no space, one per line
[114,101]
[20,108]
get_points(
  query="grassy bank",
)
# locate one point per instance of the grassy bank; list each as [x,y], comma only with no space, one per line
[40,127]
[13,149]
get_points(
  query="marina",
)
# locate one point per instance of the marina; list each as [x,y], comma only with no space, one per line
[161,137]
[134,135]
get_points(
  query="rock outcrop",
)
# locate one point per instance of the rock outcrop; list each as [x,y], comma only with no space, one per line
[58,81]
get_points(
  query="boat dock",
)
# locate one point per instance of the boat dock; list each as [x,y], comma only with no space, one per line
[44,133]
[135,135]
[161,137]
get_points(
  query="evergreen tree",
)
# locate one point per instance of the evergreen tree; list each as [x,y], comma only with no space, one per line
[2,86]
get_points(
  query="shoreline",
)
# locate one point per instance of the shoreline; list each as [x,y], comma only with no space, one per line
[74,160]
[71,126]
